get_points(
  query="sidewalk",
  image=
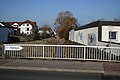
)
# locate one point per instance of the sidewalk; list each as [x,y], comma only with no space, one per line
[60,65]
[111,68]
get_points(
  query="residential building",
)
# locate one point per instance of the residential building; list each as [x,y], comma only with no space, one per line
[45,32]
[26,27]
[98,33]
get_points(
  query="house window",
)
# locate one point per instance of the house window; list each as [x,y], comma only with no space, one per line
[27,29]
[27,32]
[112,35]
[27,24]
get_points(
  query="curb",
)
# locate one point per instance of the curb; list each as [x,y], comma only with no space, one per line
[51,69]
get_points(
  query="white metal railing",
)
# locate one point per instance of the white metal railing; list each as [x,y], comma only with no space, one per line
[74,52]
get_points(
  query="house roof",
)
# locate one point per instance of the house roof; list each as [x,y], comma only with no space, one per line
[30,22]
[45,29]
[99,23]
[20,23]
[11,23]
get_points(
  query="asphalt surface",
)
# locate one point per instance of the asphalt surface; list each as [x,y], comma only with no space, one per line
[53,65]
[9,74]
[26,69]
[46,75]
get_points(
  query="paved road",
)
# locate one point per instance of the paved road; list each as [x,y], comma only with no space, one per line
[46,75]
[7,74]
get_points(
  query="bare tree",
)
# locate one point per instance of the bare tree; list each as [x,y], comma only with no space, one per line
[65,22]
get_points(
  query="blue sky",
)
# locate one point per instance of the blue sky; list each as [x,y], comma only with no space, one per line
[46,11]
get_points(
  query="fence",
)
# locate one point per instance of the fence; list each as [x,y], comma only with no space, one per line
[73,52]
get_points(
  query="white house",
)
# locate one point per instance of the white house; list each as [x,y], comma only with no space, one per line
[27,27]
[100,33]
[45,32]
[16,25]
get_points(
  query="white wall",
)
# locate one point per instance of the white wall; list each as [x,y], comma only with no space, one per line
[105,33]
[16,26]
[23,28]
[71,35]
[81,36]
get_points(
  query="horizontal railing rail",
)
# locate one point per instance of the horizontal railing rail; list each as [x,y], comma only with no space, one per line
[73,52]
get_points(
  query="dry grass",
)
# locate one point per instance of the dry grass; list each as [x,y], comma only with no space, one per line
[44,41]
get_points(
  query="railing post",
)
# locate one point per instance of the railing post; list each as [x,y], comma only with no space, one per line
[43,52]
[84,53]
[3,51]
[110,54]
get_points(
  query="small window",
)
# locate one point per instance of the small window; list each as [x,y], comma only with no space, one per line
[27,29]
[112,35]
[27,32]
[27,24]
